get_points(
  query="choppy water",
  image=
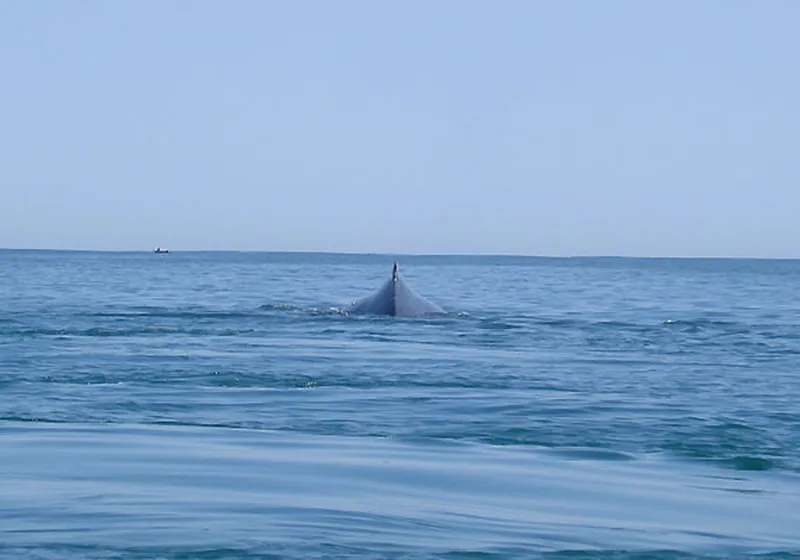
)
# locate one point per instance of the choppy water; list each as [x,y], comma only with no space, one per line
[221,405]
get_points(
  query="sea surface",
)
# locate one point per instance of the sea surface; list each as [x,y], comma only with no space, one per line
[225,406]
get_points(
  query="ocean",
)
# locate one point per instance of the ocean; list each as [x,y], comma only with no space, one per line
[223,405]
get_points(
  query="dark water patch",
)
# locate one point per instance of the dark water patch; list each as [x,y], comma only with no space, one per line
[622,555]
[736,490]
[665,554]
[498,325]
[728,455]
[744,463]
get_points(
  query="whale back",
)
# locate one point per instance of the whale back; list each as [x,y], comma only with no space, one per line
[409,303]
[396,298]
[382,302]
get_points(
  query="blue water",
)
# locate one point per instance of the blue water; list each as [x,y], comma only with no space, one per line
[222,405]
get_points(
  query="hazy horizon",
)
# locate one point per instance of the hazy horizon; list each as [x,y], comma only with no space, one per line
[620,129]
[401,255]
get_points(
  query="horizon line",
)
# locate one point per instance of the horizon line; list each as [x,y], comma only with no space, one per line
[403,254]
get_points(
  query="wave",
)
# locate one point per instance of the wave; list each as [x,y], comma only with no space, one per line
[105,332]
[502,324]
[741,458]
[280,307]
[329,550]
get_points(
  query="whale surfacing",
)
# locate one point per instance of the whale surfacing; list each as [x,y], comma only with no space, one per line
[397,299]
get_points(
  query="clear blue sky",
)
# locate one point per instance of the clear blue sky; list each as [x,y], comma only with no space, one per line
[448,126]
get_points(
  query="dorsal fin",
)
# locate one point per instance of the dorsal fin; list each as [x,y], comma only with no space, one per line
[394,272]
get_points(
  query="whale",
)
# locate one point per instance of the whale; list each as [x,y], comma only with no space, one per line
[395,298]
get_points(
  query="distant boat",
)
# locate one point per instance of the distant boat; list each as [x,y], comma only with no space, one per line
[161,250]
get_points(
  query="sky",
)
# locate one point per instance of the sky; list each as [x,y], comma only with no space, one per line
[660,128]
